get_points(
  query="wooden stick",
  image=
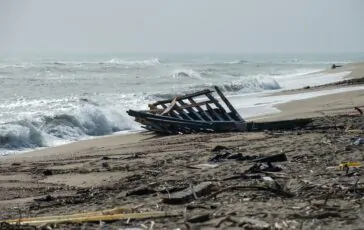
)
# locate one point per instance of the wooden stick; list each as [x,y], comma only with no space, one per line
[92,218]
[173,113]
[170,107]
[84,214]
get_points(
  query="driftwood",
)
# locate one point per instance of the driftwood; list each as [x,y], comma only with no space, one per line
[89,218]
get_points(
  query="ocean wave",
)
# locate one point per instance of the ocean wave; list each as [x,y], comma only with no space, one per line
[236,62]
[86,121]
[186,73]
[244,85]
[252,84]
[146,62]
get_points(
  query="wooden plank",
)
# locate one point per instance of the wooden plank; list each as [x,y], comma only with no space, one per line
[214,113]
[228,104]
[170,107]
[147,115]
[170,126]
[182,113]
[179,112]
[219,106]
[184,97]
[280,125]
[200,109]
[189,109]
[156,110]
[172,112]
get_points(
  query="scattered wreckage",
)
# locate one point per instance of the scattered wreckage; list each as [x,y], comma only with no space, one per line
[202,112]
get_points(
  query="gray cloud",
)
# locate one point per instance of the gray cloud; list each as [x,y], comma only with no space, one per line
[181,26]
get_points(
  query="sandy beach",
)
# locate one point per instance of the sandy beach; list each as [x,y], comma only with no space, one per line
[103,173]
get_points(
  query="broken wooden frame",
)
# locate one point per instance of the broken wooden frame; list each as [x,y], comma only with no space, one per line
[195,112]
[201,112]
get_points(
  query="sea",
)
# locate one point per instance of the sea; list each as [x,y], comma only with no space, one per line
[50,100]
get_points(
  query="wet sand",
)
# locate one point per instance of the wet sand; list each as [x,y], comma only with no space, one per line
[98,174]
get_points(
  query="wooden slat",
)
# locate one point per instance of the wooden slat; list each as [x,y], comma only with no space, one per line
[218,105]
[191,110]
[214,113]
[173,113]
[184,97]
[200,109]
[181,112]
[232,109]
[183,106]
[196,104]
[170,107]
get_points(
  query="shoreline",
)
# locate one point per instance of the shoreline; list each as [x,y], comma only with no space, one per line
[351,80]
[142,170]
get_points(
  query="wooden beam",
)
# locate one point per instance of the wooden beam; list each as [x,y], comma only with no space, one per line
[200,109]
[170,107]
[184,97]
[218,105]
[191,110]
[182,113]
[227,102]
[173,113]
[214,113]
[195,104]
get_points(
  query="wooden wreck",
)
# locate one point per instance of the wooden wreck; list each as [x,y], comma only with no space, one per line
[200,112]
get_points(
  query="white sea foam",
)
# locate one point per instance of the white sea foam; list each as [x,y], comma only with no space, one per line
[313,79]
[264,104]
[86,120]
[251,84]
[185,73]
[146,62]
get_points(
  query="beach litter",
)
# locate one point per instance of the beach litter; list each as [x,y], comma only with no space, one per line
[358,141]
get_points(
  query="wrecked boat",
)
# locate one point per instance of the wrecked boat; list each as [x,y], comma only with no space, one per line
[195,112]
[201,112]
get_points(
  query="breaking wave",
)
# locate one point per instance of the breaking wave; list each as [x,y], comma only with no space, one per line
[245,85]
[146,62]
[254,84]
[236,62]
[185,73]
[86,121]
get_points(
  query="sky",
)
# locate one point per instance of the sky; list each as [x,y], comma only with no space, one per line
[181,26]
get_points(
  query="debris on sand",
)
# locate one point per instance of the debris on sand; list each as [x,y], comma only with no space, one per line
[189,194]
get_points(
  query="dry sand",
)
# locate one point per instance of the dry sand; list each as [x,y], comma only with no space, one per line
[97,174]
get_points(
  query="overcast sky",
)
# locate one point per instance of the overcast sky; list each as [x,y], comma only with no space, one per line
[147,26]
